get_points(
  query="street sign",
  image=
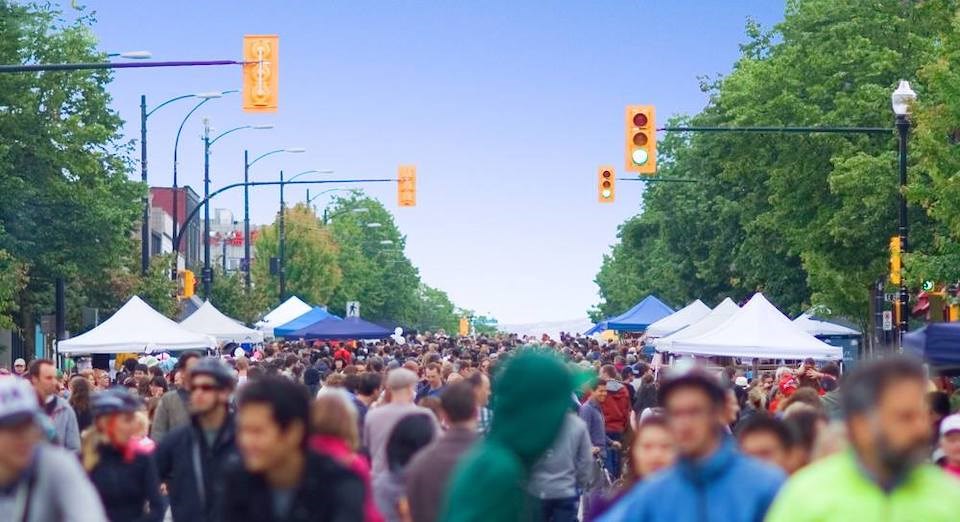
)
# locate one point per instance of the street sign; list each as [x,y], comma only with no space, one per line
[353,308]
[887,320]
[891,298]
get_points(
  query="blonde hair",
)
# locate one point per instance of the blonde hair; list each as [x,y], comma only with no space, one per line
[90,447]
[335,415]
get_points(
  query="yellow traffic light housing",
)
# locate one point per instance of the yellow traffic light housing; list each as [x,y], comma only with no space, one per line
[896,265]
[186,284]
[641,139]
[407,186]
[606,184]
[261,72]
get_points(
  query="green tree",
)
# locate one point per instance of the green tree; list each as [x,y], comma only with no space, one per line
[435,311]
[229,296]
[67,207]
[311,260]
[375,270]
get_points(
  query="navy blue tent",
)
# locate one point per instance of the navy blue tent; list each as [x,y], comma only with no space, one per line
[937,343]
[317,314]
[636,319]
[349,328]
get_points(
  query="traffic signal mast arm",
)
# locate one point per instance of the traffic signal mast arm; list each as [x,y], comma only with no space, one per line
[200,205]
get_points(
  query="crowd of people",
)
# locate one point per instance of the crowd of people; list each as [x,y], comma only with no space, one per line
[438,428]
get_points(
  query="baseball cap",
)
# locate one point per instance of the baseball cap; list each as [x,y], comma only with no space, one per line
[18,401]
[741,382]
[950,423]
[19,362]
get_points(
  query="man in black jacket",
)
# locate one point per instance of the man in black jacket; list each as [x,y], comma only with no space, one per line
[190,459]
[280,480]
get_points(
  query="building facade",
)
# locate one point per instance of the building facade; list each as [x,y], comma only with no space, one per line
[161,225]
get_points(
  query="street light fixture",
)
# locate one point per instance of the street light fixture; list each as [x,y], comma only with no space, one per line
[132,55]
[207,274]
[144,114]
[374,225]
[386,242]
[901,100]
[246,204]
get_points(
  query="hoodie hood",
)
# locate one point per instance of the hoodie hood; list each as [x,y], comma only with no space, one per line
[614,386]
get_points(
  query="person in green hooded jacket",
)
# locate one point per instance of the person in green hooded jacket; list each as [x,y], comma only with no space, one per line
[531,396]
[885,475]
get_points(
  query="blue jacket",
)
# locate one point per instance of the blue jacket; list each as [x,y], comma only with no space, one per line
[591,414]
[727,486]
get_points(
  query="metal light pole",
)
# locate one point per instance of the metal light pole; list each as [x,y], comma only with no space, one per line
[901,99]
[246,206]
[207,274]
[145,226]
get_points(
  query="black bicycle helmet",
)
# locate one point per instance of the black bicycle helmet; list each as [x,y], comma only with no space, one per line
[114,400]
[214,367]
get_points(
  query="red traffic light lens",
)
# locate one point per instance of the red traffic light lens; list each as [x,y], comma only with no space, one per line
[606,174]
[640,139]
[640,119]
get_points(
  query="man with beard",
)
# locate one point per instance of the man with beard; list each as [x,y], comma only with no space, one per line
[884,476]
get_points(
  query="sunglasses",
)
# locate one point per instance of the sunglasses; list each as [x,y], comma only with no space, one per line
[205,387]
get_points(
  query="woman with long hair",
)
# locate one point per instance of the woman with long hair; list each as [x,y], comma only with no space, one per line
[334,433]
[80,390]
[125,477]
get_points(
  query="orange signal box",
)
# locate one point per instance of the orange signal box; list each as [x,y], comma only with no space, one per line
[606,184]
[407,186]
[261,72]
[641,139]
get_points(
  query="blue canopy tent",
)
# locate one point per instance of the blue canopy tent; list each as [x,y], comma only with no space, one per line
[349,328]
[636,319]
[317,314]
[937,343]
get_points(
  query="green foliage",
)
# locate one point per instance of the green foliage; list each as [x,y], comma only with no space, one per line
[12,279]
[229,296]
[156,287]
[804,218]
[67,208]
[311,260]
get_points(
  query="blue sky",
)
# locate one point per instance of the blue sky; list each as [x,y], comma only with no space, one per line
[506,108]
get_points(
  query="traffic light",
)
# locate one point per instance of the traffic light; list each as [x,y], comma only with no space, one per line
[186,284]
[407,186]
[464,327]
[641,139]
[896,265]
[606,184]
[261,72]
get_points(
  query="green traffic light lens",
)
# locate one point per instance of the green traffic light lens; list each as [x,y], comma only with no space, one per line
[639,157]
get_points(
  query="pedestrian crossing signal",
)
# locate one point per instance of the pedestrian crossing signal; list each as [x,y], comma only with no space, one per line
[186,284]
[641,139]
[261,72]
[606,184]
[407,186]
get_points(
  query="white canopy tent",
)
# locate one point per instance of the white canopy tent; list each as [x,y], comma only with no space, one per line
[136,327]
[758,330]
[283,314]
[715,318]
[812,326]
[678,320]
[208,320]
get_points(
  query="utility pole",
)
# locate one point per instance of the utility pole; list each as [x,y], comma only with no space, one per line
[283,241]
[145,225]
[246,220]
[207,271]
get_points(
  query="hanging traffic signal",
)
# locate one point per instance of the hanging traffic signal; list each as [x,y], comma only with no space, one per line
[641,139]
[186,284]
[896,266]
[606,184]
[261,72]
[407,186]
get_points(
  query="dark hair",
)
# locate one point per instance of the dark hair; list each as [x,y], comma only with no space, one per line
[159,382]
[156,371]
[368,383]
[130,365]
[601,382]
[803,427]
[288,401]
[33,369]
[609,370]
[80,394]
[831,369]
[763,423]
[408,436]
[939,403]
[141,368]
[185,357]
[459,402]
[863,388]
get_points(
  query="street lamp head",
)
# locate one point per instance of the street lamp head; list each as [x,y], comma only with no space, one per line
[386,242]
[262,126]
[136,55]
[295,150]
[360,210]
[902,98]
[208,95]
[374,225]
